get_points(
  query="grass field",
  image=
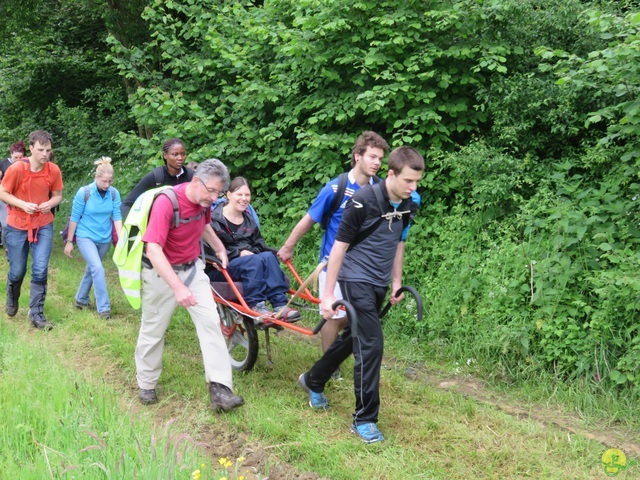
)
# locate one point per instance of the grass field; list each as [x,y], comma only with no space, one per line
[69,409]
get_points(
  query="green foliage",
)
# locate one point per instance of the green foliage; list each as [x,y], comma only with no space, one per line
[282,90]
[610,75]
[587,286]
[530,114]
[62,84]
[526,245]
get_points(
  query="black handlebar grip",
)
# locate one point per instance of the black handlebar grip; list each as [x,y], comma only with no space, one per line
[415,294]
[351,314]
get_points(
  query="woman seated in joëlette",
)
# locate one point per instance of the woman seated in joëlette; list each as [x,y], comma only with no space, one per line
[251,261]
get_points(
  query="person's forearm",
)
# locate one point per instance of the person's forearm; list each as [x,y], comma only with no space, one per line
[56,198]
[216,245]
[214,242]
[303,226]
[396,276]
[10,199]
[71,231]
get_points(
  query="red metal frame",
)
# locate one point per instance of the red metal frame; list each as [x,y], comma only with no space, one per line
[268,320]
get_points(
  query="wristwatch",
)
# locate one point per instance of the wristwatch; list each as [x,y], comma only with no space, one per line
[68,241]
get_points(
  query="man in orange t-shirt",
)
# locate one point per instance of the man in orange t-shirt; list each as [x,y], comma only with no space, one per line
[31,189]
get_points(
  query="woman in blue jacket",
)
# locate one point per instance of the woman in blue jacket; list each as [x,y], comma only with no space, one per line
[250,260]
[95,207]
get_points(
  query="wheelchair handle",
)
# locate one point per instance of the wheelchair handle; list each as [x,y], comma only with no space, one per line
[413,292]
[351,313]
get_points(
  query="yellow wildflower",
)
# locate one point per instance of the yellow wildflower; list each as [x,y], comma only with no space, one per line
[222,461]
[228,464]
[195,475]
[241,477]
[241,459]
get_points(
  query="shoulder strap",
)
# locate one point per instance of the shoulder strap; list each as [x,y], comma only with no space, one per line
[177,220]
[45,173]
[372,228]
[87,193]
[382,205]
[336,201]
[158,176]
[379,199]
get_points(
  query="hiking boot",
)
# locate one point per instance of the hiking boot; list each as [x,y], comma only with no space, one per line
[317,400]
[81,306]
[289,315]
[106,315]
[147,397]
[11,309]
[39,321]
[368,432]
[261,308]
[337,375]
[13,295]
[222,398]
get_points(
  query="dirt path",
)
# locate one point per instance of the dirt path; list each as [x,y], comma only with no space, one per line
[472,388]
[216,440]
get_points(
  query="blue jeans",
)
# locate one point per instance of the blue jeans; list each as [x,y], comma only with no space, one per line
[18,245]
[93,253]
[261,276]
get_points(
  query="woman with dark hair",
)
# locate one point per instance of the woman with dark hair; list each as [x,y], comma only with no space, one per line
[173,172]
[16,152]
[250,260]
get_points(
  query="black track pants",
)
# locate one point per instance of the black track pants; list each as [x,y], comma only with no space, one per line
[367,349]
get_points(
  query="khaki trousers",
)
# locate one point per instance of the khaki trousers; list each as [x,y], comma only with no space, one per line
[158,305]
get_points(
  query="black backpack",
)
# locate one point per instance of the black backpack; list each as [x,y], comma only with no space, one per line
[337,198]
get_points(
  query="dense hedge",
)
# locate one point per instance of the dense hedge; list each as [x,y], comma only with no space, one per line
[526,110]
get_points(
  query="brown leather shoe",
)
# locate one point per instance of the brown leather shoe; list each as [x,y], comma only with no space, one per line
[222,398]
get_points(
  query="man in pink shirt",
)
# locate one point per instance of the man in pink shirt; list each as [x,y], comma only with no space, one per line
[174,275]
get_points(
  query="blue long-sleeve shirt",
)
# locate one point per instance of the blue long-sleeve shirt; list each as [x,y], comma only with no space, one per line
[94,217]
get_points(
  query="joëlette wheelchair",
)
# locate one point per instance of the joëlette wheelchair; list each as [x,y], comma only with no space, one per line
[240,324]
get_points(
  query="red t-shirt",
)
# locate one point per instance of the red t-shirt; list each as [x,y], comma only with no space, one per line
[33,187]
[181,244]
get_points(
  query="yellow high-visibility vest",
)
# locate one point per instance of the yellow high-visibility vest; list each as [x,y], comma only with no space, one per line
[128,252]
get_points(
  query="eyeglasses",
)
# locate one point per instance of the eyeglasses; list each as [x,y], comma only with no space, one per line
[211,190]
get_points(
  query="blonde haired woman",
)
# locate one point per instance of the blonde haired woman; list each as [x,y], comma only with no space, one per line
[94,207]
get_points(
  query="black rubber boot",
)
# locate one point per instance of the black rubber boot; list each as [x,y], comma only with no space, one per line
[36,307]
[13,295]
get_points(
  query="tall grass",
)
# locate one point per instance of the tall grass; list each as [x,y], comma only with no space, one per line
[54,422]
